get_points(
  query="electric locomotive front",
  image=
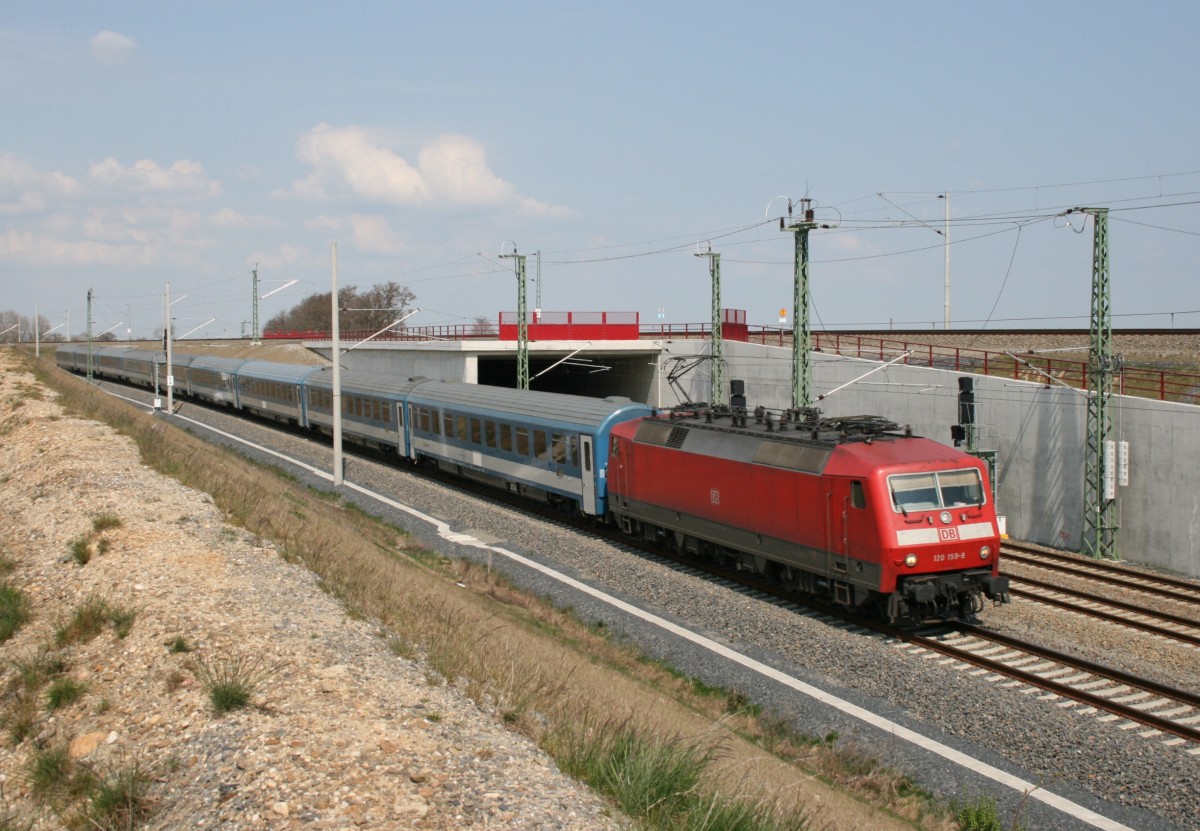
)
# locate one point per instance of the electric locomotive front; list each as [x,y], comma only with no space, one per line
[935,536]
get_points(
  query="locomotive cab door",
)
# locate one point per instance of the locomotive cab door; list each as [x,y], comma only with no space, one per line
[587,473]
[849,532]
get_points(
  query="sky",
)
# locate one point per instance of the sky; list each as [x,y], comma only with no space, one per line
[189,143]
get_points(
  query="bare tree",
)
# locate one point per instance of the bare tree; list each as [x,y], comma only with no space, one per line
[372,309]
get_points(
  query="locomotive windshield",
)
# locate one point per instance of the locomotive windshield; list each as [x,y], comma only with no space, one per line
[932,491]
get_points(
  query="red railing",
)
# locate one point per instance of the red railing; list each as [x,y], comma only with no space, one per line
[572,325]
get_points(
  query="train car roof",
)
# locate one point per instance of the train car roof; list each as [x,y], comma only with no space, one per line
[148,355]
[897,452]
[271,371]
[370,383]
[217,364]
[528,405]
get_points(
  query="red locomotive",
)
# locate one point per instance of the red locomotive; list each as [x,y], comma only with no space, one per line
[853,509]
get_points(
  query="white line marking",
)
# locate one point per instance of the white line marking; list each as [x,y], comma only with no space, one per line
[853,710]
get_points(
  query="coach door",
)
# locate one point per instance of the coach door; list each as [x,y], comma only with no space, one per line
[587,465]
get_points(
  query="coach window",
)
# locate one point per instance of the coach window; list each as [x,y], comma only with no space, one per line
[522,441]
[858,497]
[476,431]
[573,447]
[506,438]
[447,425]
[540,447]
[462,433]
[489,433]
[558,448]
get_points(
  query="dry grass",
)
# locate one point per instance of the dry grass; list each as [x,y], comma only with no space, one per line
[538,667]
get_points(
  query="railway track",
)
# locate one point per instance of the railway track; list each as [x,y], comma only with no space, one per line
[1127,700]
[1124,699]
[1152,593]
[1159,586]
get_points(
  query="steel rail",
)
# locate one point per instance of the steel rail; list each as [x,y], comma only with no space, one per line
[1100,614]
[1105,573]
[1127,711]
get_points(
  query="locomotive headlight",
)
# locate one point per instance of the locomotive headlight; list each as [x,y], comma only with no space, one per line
[985,551]
[946,517]
[911,560]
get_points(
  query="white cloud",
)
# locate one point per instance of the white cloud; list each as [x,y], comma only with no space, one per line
[451,170]
[112,48]
[24,190]
[229,218]
[370,233]
[183,176]
[271,260]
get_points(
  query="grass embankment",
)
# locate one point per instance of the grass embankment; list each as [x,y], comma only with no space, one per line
[668,750]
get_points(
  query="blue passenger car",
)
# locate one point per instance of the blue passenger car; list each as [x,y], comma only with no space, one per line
[543,445]
[272,390]
[71,357]
[213,379]
[373,410]
[143,366]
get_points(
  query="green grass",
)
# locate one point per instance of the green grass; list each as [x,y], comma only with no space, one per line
[81,550]
[63,692]
[231,683]
[103,522]
[51,771]
[119,801]
[14,611]
[91,618]
[982,815]
[179,645]
[659,781]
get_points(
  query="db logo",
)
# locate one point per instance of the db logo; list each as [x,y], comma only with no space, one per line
[714,496]
[947,534]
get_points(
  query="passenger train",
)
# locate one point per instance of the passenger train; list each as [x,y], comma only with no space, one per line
[854,509]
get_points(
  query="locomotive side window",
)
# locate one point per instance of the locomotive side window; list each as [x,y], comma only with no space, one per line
[858,497]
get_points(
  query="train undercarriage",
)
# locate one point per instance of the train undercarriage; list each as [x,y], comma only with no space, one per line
[928,597]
